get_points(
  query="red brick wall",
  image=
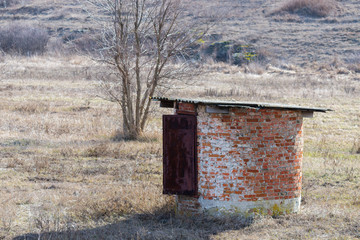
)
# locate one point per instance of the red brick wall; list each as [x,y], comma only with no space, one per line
[247,155]
[250,155]
[187,205]
[186,108]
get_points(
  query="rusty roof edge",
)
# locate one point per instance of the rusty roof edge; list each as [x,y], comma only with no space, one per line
[241,104]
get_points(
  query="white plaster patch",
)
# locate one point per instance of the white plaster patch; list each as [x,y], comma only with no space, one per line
[221,144]
[216,207]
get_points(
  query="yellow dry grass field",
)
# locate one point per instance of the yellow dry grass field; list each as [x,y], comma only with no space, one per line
[65,175]
[65,172]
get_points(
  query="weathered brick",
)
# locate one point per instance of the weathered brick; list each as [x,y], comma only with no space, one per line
[247,155]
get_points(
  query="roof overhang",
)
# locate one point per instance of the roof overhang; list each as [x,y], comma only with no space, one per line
[169,103]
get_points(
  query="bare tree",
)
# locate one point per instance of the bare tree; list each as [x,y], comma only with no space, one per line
[147,42]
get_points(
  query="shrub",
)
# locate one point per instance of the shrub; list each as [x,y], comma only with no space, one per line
[255,68]
[353,61]
[313,8]
[236,53]
[87,43]
[8,3]
[55,46]
[23,39]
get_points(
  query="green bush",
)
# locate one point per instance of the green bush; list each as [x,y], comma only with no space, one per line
[236,53]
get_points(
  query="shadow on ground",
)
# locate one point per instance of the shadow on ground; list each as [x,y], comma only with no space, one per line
[157,225]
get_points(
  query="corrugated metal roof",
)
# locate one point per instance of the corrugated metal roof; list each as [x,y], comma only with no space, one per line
[240,104]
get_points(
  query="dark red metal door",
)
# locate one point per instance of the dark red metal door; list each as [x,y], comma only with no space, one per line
[179,150]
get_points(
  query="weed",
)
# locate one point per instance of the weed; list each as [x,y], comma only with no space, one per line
[14,162]
[32,107]
[107,207]
[349,88]
[68,152]
[286,18]
[255,67]
[350,173]
[7,216]
[100,150]
[354,67]
[353,61]
[118,136]
[115,203]
[355,149]
[41,163]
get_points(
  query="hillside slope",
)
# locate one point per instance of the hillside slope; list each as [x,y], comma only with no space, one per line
[293,38]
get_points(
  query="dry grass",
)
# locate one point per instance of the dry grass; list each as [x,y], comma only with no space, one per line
[66,173]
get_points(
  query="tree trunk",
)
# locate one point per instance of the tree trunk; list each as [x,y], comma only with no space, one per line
[132,132]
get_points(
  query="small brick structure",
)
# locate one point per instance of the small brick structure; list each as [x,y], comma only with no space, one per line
[233,157]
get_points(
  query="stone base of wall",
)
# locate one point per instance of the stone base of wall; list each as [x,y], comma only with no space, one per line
[193,206]
[186,205]
[263,207]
